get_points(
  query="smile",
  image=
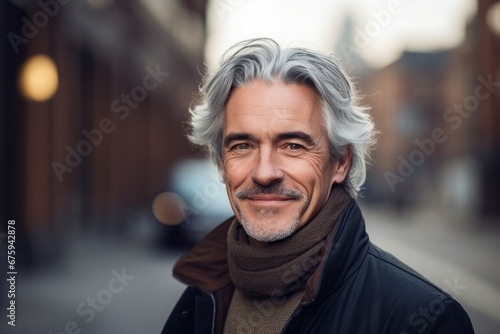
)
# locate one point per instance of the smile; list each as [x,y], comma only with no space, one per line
[269,198]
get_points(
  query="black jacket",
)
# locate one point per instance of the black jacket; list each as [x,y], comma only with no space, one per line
[357,288]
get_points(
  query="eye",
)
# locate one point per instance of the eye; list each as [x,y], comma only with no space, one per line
[294,146]
[293,149]
[240,147]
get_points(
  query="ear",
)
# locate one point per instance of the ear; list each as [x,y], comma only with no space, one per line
[342,166]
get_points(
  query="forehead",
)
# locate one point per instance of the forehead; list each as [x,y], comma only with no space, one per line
[264,105]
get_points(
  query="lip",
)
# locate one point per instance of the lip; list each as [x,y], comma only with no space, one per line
[269,198]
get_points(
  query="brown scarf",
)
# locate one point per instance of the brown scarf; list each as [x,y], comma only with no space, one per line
[283,266]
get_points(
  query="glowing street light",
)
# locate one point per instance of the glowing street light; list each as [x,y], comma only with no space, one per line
[38,79]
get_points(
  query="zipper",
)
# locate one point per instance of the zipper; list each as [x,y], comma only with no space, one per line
[211,296]
[213,314]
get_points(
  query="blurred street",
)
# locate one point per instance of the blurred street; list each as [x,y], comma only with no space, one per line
[94,143]
[461,259]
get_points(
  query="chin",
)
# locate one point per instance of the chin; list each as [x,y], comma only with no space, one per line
[268,230]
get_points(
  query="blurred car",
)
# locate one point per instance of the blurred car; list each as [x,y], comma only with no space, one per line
[195,202]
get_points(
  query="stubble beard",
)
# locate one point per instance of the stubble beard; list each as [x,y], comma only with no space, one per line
[274,229]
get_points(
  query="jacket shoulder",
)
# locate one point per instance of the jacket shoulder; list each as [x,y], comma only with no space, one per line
[416,304]
[384,295]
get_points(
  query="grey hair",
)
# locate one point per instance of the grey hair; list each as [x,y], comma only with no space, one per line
[348,126]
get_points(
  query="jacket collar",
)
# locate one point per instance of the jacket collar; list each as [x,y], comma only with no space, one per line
[205,266]
[346,248]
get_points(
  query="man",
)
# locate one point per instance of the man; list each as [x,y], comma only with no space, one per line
[284,129]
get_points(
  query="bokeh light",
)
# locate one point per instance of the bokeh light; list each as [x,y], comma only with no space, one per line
[38,80]
[169,208]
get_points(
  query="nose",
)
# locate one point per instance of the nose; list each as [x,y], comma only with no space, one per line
[267,170]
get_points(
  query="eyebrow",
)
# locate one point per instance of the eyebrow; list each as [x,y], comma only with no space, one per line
[297,135]
[237,136]
[282,136]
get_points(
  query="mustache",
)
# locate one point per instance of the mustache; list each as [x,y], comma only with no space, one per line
[274,189]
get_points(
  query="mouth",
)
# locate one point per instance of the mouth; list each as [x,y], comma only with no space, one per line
[268,198]
[275,194]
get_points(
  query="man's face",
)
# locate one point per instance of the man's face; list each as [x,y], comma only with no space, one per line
[276,161]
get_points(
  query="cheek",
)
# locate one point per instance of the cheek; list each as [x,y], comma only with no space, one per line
[315,167]
[305,172]
[235,173]
[313,174]
[328,173]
